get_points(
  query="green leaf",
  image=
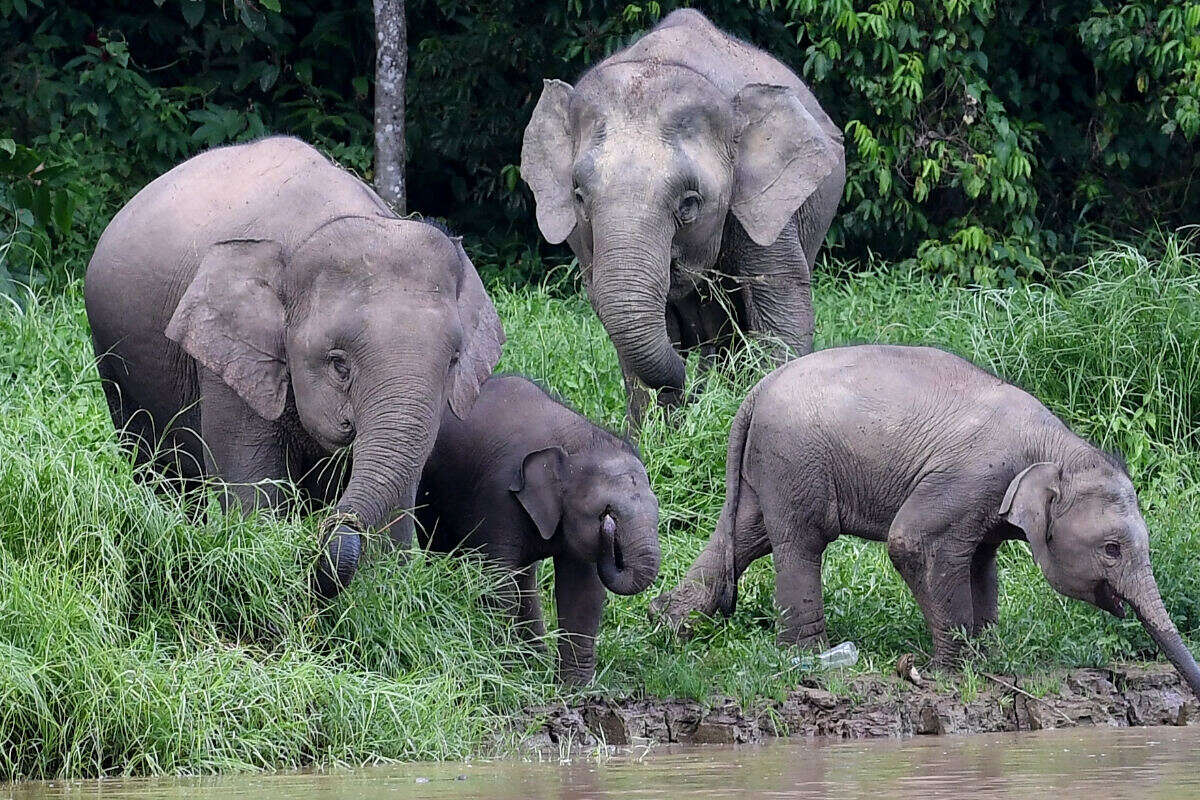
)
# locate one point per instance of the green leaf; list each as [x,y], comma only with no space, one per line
[193,11]
[41,205]
[63,211]
[270,5]
[8,146]
[252,18]
[270,74]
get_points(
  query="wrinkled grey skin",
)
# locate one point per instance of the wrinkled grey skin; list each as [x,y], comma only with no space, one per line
[688,172]
[522,478]
[268,300]
[920,449]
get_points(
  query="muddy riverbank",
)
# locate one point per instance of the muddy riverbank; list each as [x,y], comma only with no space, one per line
[877,706]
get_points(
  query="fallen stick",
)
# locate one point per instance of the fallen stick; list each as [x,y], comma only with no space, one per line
[1019,690]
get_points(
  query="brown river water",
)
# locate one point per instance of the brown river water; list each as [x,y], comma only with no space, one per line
[1089,763]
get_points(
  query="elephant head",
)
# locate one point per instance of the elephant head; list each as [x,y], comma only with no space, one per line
[1091,542]
[640,166]
[371,325]
[600,504]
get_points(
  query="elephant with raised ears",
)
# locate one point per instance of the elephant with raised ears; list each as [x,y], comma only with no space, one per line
[944,462]
[257,308]
[694,177]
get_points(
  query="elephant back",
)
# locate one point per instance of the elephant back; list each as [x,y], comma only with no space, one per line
[687,38]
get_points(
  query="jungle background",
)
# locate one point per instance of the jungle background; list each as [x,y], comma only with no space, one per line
[987,140]
[1020,189]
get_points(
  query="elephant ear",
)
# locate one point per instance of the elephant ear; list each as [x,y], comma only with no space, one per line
[483,336]
[546,159]
[538,488]
[231,320]
[1026,504]
[782,156]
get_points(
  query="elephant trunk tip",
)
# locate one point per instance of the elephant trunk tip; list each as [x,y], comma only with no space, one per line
[338,560]
[623,569]
[1147,605]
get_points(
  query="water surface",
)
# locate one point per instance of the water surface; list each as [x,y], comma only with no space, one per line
[1089,763]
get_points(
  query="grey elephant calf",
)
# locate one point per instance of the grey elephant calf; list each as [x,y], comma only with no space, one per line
[944,462]
[521,479]
[257,307]
[691,174]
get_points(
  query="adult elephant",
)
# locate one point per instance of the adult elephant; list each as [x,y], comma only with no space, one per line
[684,170]
[266,299]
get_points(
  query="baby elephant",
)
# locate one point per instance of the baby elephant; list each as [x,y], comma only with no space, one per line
[944,462]
[523,478]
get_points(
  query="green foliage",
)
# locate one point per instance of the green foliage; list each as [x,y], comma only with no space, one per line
[35,201]
[983,136]
[936,159]
[985,139]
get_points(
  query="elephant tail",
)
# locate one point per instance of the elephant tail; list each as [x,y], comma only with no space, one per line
[724,536]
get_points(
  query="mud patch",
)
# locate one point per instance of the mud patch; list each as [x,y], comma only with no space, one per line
[875,706]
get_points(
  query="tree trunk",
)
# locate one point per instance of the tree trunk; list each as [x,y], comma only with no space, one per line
[391,70]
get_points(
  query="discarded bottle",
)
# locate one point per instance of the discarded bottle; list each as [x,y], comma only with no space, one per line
[844,655]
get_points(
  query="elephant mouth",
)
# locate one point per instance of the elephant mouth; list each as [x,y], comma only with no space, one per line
[1106,598]
[618,555]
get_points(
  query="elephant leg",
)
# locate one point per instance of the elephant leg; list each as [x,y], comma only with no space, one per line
[927,546]
[696,334]
[244,450]
[580,597]
[985,587]
[403,521]
[776,287]
[174,450]
[528,608]
[798,592]
[797,541]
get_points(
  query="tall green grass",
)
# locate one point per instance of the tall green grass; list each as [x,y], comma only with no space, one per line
[141,634]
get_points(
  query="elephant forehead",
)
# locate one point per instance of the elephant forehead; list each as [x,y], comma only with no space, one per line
[620,468]
[648,90]
[377,251]
[380,295]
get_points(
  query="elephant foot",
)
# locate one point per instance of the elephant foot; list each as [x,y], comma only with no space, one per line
[815,641]
[948,658]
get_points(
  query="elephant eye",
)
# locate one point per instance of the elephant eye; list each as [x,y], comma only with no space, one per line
[337,362]
[580,202]
[689,207]
[1113,550]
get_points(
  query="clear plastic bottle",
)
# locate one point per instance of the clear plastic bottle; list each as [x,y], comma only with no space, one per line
[844,655]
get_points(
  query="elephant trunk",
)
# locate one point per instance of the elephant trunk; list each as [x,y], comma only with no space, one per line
[629,556]
[631,275]
[1141,592]
[394,433]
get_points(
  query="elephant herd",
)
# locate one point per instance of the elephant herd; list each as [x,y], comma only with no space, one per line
[257,309]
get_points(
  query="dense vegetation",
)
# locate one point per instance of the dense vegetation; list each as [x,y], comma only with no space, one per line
[141,634]
[984,137]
